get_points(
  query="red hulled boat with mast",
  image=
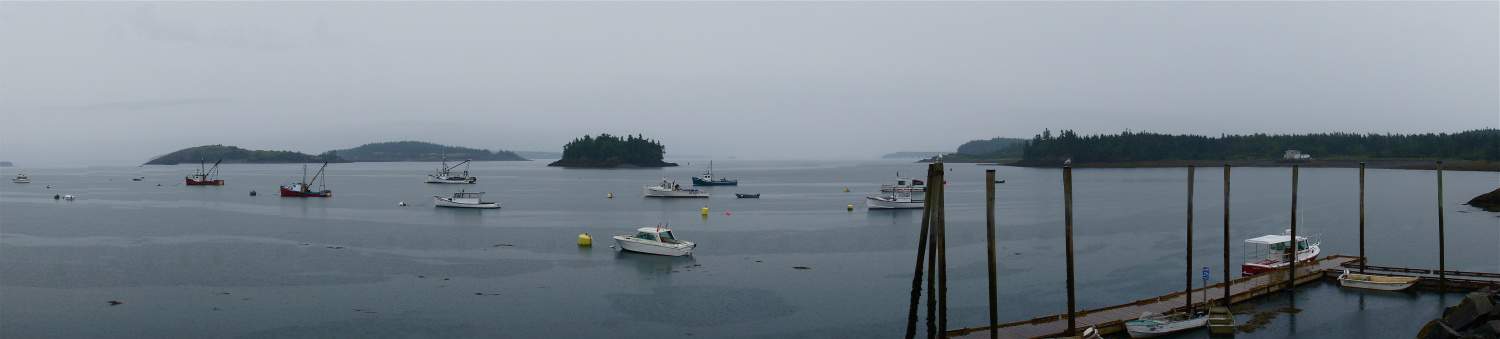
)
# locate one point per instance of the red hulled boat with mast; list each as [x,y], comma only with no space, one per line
[205,176]
[303,189]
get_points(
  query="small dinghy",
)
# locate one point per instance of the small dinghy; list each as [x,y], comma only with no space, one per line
[1152,325]
[669,189]
[1088,333]
[747,195]
[655,240]
[1376,282]
[463,200]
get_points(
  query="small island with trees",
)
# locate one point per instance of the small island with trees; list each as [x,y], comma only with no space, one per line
[419,151]
[608,151]
[231,154]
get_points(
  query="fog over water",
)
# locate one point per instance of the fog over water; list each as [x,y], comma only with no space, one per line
[118,83]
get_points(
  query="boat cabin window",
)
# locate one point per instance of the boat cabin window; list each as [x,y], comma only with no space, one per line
[644,235]
[667,235]
[901,182]
[917,182]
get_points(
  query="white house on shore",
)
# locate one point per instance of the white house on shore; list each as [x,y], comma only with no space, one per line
[1295,155]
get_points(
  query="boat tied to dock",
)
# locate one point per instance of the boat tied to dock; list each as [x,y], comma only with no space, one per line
[1272,252]
[1376,282]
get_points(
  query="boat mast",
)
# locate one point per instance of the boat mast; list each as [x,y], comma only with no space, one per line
[320,173]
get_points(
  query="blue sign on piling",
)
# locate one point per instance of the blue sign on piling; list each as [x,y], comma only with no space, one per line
[1205,273]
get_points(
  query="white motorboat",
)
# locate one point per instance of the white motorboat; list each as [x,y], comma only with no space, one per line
[1272,252]
[670,189]
[1152,325]
[894,200]
[1088,333]
[655,240]
[21,178]
[446,175]
[905,185]
[1376,282]
[464,200]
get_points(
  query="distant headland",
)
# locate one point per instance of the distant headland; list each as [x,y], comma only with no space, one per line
[373,152]
[419,151]
[608,151]
[232,154]
[1474,150]
[6,164]
[911,155]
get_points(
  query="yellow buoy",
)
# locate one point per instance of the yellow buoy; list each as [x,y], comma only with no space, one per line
[846,189]
[850,207]
[703,211]
[584,240]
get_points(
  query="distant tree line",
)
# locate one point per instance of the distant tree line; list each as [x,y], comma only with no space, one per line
[419,151]
[609,150]
[231,154]
[1481,144]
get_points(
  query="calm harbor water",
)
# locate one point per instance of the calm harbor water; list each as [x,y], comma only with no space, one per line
[216,262]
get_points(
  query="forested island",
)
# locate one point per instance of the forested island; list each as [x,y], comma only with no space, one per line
[419,151]
[231,154]
[1468,150]
[608,151]
[991,150]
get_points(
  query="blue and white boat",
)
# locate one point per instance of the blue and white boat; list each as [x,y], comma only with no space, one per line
[708,179]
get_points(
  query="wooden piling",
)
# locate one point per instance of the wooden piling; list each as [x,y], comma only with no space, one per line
[1362,259]
[1442,249]
[1068,246]
[989,236]
[942,248]
[916,280]
[1292,282]
[1188,292]
[932,283]
[1228,279]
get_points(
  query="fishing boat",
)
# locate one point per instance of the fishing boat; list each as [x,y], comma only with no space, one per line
[747,195]
[1376,282]
[446,175]
[708,179]
[205,176]
[464,200]
[655,240]
[894,200]
[1272,252]
[21,178]
[905,185]
[1153,325]
[670,189]
[303,189]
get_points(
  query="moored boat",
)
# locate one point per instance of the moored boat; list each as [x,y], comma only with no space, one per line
[1152,325]
[21,178]
[708,179]
[747,195]
[905,185]
[894,200]
[655,240]
[669,189]
[303,189]
[1273,252]
[205,176]
[1376,282]
[446,174]
[464,200]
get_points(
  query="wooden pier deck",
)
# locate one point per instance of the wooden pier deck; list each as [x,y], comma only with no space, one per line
[1112,319]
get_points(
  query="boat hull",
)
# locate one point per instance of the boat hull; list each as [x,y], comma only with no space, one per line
[443,202]
[193,182]
[664,193]
[747,196]
[435,180]
[878,203]
[1146,329]
[672,250]
[21,181]
[1378,283]
[1304,256]
[311,194]
[717,182]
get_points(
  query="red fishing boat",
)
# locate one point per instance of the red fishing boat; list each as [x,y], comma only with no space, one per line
[205,176]
[303,189]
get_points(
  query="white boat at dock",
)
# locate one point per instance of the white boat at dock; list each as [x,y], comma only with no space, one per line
[21,178]
[655,240]
[1151,325]
[670,189]
[446,175]
[1273,252]
[464,200]
[1376,282]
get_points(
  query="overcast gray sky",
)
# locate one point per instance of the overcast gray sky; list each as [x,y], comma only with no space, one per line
[117,83]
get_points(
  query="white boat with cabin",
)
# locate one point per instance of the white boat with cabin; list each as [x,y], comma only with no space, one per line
[1273,252]
[1151,325]
[21,178]
[655,240]
[895,200]
[464,200]
[446,175]
[670,189]
[905,185]
[1376,282]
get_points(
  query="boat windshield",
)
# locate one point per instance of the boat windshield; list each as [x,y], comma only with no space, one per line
[667,236]
[645,235]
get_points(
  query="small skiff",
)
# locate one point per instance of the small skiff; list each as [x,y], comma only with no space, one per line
[1152,325]
[1376,282]
[747,195]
